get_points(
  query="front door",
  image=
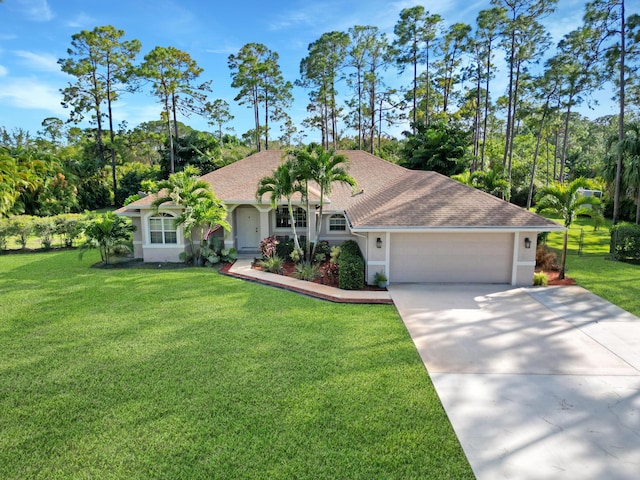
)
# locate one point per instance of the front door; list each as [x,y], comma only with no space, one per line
[248,224]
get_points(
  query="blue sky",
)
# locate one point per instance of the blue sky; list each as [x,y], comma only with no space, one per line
[34,34]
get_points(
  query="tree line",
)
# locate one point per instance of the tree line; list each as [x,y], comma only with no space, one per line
[528,135]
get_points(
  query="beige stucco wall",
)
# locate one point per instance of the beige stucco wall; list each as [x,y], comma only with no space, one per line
[158,252]
[137,237]
[525,258]
[333,237]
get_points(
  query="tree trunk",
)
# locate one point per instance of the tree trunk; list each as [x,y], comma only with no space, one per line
[616,196]
[535,156]
[565,140]
[510,101]
[486,108]
[172,158]
[513,132]
[359,110]
[113,152]
[427,99]
[476,134]
[175,118]
[415,87]
[563,261]
[292,219]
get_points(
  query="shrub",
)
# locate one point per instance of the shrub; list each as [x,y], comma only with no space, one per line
[273,264]
[380,279]
[109,233]
[214,253]
[22,227]
[284,249]
[5,233]
[131,199]
[44,227]
[546,258]
[350,266]
[625,241]
[323,248]
[540,279]
[306,271]
[268,246]
[68,227]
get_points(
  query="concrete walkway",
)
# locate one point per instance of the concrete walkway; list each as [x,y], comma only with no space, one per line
[538,383]
[242,269]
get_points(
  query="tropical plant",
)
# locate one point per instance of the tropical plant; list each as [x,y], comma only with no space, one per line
[109,233]
[282,185]
[324,167]
[200,206]
[268,246]
[380,279]
[540,279]
[306,271]
[273,264]
[565,200]
[492,181]
[440,147]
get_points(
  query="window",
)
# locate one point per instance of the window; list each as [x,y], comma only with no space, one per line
[282,217]
[337,223]
[162,229]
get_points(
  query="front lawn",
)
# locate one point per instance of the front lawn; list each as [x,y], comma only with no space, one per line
[593,268]
[185,373]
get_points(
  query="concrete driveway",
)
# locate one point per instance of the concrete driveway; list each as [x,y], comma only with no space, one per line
[538,383]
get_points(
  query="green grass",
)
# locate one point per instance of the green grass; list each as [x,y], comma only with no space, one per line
[593,269]
[140,373]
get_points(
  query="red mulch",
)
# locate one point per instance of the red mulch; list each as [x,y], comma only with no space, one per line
[554,280]
[323,278]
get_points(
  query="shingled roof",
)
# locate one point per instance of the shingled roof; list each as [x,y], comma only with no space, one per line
[419,199]
[388,196]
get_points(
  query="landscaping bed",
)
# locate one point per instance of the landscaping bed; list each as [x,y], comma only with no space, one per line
[324,277]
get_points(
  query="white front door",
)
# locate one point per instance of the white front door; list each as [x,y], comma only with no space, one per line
[248,225]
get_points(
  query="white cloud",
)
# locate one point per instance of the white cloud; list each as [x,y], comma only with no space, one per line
[31,94]
[36,10]
[3,71]
[39,61]
[81,20]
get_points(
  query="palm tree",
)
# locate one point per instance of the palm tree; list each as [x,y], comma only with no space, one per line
[565,201]
[109,233]
[629,148]
[200,206]
[492,181]
[324,167]
[282,184]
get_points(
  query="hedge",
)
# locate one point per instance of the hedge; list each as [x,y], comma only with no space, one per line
[350,266]
[625,241]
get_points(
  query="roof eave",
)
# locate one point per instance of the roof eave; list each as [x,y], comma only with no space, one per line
[493,229]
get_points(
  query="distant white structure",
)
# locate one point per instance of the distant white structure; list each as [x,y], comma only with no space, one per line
[589,193]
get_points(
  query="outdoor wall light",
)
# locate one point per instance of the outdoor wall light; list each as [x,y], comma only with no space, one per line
[379,242]
[527,242]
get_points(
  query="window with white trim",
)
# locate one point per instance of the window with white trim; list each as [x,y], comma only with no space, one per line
[162,229]
[282,217]
[337,223]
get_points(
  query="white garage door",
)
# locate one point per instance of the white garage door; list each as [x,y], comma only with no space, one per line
[451,258]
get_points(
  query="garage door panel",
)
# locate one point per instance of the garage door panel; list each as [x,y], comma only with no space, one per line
[451,258]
